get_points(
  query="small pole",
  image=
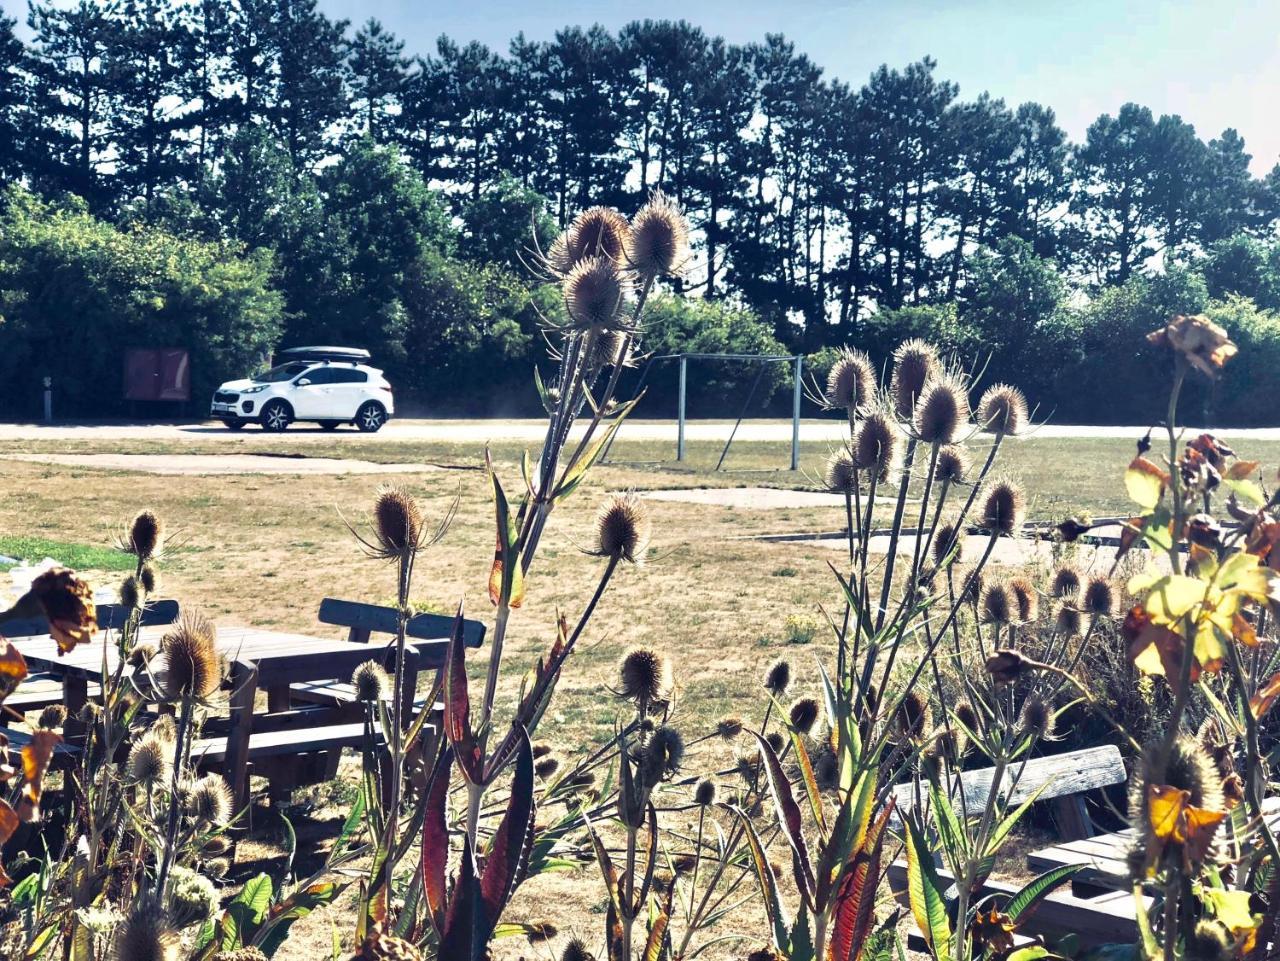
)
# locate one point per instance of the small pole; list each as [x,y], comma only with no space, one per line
[48,400]
[684,374]
[795,414]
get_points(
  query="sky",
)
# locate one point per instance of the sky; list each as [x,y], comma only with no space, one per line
[1216,64]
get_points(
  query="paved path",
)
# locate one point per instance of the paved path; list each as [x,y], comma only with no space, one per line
[526,431]
[229,463]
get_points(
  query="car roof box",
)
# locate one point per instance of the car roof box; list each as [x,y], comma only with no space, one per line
[355,355]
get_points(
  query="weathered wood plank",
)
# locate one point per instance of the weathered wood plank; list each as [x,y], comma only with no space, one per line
[385,620]
[110,616]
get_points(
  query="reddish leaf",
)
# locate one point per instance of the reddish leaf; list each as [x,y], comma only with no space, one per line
[856,896]
[505,864]
[789,818]
[457,707]
[435,840]
[13,668]
[465,918]
[1263,701]
[35,762]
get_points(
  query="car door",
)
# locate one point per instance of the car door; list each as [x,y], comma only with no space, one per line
[347,391]
[310,393]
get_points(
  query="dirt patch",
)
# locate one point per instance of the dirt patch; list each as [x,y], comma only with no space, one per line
[222,464]
[749,498]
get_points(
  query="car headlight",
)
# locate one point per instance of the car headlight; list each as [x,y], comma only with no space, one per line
[254,390]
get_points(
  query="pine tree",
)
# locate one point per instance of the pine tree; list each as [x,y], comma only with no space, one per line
[376,72]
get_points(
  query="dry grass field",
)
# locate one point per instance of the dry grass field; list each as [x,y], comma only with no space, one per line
[264,549]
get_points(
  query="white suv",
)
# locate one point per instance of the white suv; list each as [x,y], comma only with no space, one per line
[328,385]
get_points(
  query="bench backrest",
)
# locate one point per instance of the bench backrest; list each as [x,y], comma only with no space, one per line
[362,620]
[1055,776]
[110,616]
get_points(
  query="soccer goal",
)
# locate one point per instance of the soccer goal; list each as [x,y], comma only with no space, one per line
[763,361]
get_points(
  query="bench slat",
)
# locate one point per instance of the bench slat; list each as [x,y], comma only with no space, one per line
[274,743]
[110,616]
[385,620]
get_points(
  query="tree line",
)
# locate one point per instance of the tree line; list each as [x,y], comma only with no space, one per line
[382,178]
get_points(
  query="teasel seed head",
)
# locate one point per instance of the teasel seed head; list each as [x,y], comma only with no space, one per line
[658,243]
[211,800]
[729,727]
[705,793]
[1191,769]
[953,465]
[575,950]
[967,716]
[1067,619]
[942,410]
[52,717]
[1066,582]
[142,653]
[145,536]
[875,448]
[539,931]
[1006,666]
[1003,508]
[912,716]
[778,677]
[150,763]
[193,899]
[1210,941]
[541,749]
[915,363]
[216,846]
[595,293]
[1100,596]
[130,592]
[804,714]
[646,677]
[944,542]
[89,713]
[1028,601]
[662,755]
[623,529]
[1037,718]
[1002,410]
[371,682]
[951,744]
[841,475]
[191,663]
[998,603]
[149,578]
[775,741]
[596,232]
[852,381]
[164,727]
[397,522]
[218,867]
[546,766]
[146,935]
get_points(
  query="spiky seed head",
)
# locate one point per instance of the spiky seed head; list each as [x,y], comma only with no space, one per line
[775,740]
[998,603]
[546,766]
[609,348]
[218,867]
[645,676]
[953,465]
[146,935]
[1028,600]
[596,232]
[1100,596]
[841,475]
[371,682]
[52,717]
[193,898]
[192,664]
[912,716]
[944,542]
[1191,769]
[967,716]
[1002,410]
[684,864]
[149,578]
[142,653]
[594,295]
[216,846]
[397,522]
[852,380]
[729,727]
[1067,619]
[974,582]
[876,446]
[1066,582]
[575,950]
[705,793]
[658,243]
[942,410]
[164,728]
[150,763]
[778,677]
[539,931]
[804,714]
[130,591]
[541,749]
[210,800]
[241,954]
[661,756]
[623,528]
[145,536]
[1037,718]
[89,713]
[915,363]
[1003,508]
[1210,941]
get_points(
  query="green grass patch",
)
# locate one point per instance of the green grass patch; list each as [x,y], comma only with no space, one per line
[78,556]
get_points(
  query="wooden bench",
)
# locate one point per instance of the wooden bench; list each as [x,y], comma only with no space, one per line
[428,633]
[1062,779]
[38,691]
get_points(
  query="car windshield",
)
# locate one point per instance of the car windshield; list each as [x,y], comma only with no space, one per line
[280,374]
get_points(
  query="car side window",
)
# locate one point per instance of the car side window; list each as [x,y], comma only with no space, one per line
[318,375]
[347,375]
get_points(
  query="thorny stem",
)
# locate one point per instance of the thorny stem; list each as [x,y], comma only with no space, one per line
[898,511]
[171,827]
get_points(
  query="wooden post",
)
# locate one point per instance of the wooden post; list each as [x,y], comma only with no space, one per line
[244,688]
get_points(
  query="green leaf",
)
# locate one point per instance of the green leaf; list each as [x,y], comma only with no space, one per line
[1037,889]
[506,579]
[774,909]
[924,891]
[1144,484]
[1002,831]
[1247,490]
[952,833]
[247,910]
[293,908]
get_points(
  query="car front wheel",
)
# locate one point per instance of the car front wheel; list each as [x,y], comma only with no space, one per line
[276,416]
[370,417]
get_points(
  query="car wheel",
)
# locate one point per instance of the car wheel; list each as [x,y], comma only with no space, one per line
[233,424]
[330,424]
[370,417]
[276,416]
